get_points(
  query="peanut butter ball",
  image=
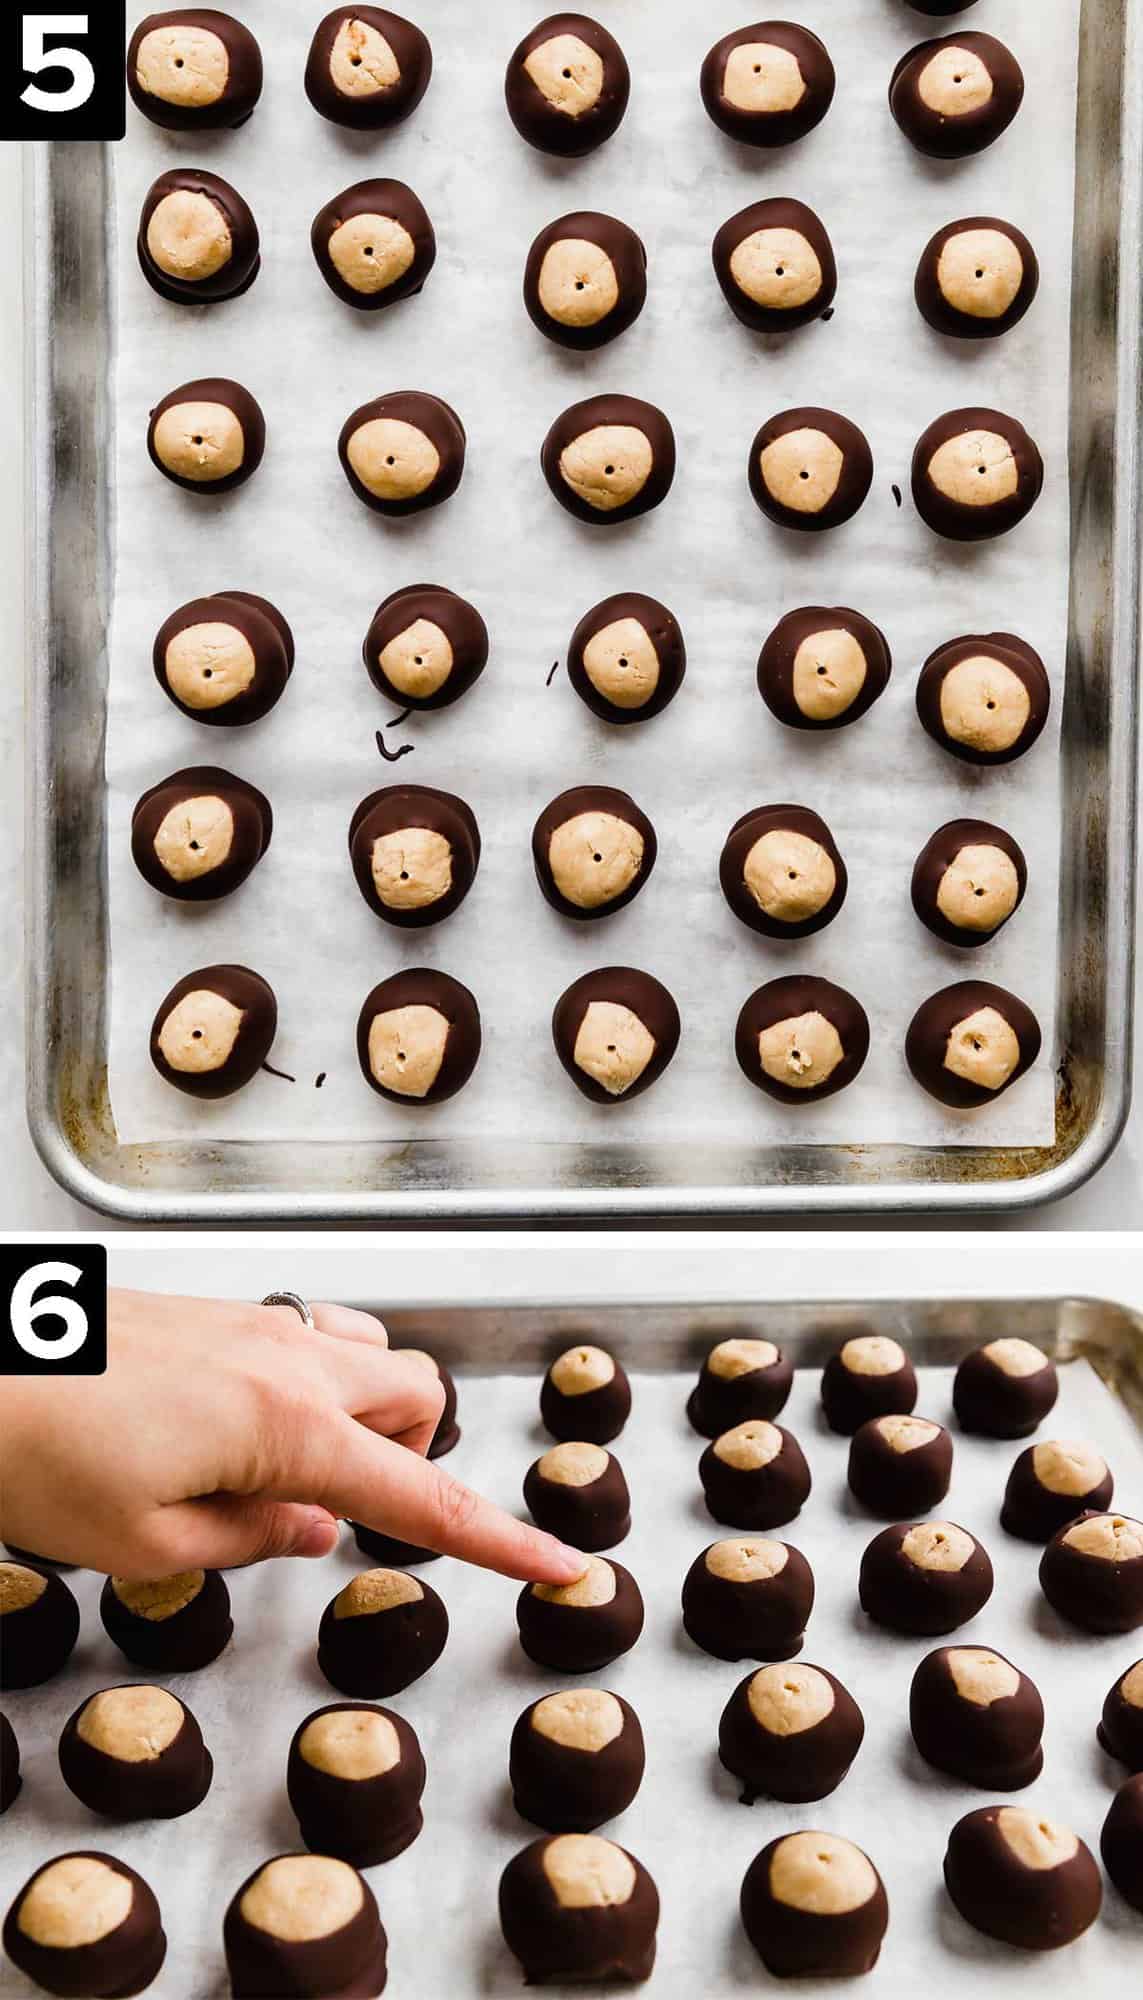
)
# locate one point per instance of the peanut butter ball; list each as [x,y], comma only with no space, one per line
[578,1493]
[381,1633]
[418,1037]
[577,1908]
[10,1779]
[135,1753]
[374,245]
[174,1626]
[198,834]
[305,1924]
[415,853]
[577,1628]
[368,68]
[198,240]
[567,86]
[813,1905]
[403,453]
[1005,1388]
[968,879]
[1092,1573]
[208,437]
[976,474]
[576,1760]
[1121,1725]
[810,469]
[900,1466]
[585,281]
[775,264]
[1050,1484]
[968,1043]
[225,659]
[39,1625]
[585,1394]
[925,1579]
[768,84]
[823,667]
[801,1038]
[213,1032]
[610,459]
[194,70]
[790,1733]
[740,1378]
[755,1476]
[426,647]
[748,1598]
[984,699]
[782,873]
[976,1716]
[869,1376]
[615,1031]
[976,278]
[354,1777]
[1121,1842]
[86,1924]
[627,658]
[1021,1877]
[593,849]
[955,95]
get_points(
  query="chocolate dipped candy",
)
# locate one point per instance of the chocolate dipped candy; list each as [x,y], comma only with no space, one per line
[976,473]
[577,1907]
[198,240]
[615,1031]
[39,1625]
[576,1759]
[198,834]
[1121,1725]
[984,699]
[1121,1842]
[388,1552]
[775,264]
[415,853]
[374,245]
[426,647]
[925,1580]
[367,68]
[1021,1877]
[585,281]
[446,1437]
[823,667]
[207,436]
[214,1031]
[781,871]
[789,1733]
[135,1753]
[740,1378]
[578,1493]
[953,96]
[968,879]
[801,1038]
[302,1925]
[174,1626]
[900,1465]
[577,1628]
[1005,1388]
[1049,1485]
[1092,1573]
[976,1716]
[585,1394]
[609,459]
[627,658]
[10,1779]
[354,1777]
[813,1905]
[567,86]
[755,1476]
[767,84]
[748,1599]
[976,278]
[593,849]
[403,452]
[810,469]
[969,1042]
[418,1037]
[868,1376]
[194,70]
[381,1633]
[86,1924]
[224,659]
[940,7]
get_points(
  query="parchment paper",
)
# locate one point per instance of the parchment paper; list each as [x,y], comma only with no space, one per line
[297,535]
[438,1900]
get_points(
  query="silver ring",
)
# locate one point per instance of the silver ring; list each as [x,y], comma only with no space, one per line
[291,1299]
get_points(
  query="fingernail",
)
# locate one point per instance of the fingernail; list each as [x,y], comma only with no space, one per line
[318,1539]
[572,1561]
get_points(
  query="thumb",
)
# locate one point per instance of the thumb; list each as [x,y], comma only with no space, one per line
[226,1531]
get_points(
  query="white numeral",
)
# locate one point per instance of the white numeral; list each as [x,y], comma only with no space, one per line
[37,57]
[25,1309]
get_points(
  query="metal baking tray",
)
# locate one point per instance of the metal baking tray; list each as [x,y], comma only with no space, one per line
[72,341]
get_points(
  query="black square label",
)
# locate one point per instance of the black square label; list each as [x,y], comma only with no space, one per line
[64,72]
[53,1309]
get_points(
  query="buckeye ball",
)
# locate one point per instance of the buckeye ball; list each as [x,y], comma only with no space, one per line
[374,245]
[1092,1573]
[823,667]
[415,853]
[388,1552]
[426,647]
[593,849]
[208,436]
[869,1376]
[576,1907]
[976,473]
[782,873]
[381,1633]
[173,1626]
[900,1466]
[925,1580]
[418,1037]
[135,1753]
[576,1759]
[801,1038]
[367,68]
[578,1493]
[198,240]
[198,834]
[813,1905]
[1005,1388]
[446,1437]
[194,70]
[953,96]
[225,659]
[403,452]
[976,278]
[576,1628]
[984,699]
[304,1924]
[627,658]
[976,1716]
[215,1029]
[968,879]
[775,264]
[755,1476]
[354,1777]
[615,1032]
[740,1378]
[789,1733]
[1049,1485]
[567,86]
[748,1599]
[10,1779]
[609,459]
[39,1625]
[1021,1877]
[1121,1842]
[585,281]
[767,84]
[1121,1725]
[585,1394]
[810,469]
[85,1923]
[970,1042]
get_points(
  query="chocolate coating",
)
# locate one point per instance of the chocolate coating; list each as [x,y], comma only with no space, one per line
[771,120]
[1035,1511]
[834,492]
[10,1779]
[795,1767]
[641,995]
[240,988]
[942,853]
[1120,1727]
[388,1552]
[1121,1842]
[615,616]
[158,94]
[378,1653]
[941,7]
[756,1496]
[392,97]
[566,1788]
[925,1602]
[200,675]
[435,421]
[993,1743]
[852,1395]
[792,291]
[162,1786]
[180,1643]
[966,519]
[623,472]
[591,111]
[395,809]
[939,128]
[423,986]
[571,805]
[446,1437]
[995,1402]
[1035,1908]
[789,677]
[252,825]
[124,1961]
[240,404]
[720,1400]
[609,1941]
[894,1483]
[399,617]
[793,1942]
[1099,1593]
[763,1617]
[367,288]
[362,1820]
[931,1035]
[348,1963]
[597,1415]
[990,306]
[592,1517]
[37,1636]
[741,840]
[794,999]
[244,258]
[965,730]
[580,1638]
[588,317]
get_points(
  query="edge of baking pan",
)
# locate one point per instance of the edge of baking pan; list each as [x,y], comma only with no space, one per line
[66,919]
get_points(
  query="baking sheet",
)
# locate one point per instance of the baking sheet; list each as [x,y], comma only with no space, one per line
[438,1900]
[297,535]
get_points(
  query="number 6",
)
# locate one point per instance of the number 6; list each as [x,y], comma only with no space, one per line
[36,56]
[25,1309]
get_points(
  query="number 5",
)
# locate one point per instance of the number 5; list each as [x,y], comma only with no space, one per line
[36,57]
[26,1308]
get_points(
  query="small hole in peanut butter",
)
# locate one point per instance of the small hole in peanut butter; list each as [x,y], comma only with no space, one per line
[196,1034]
[803,475]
